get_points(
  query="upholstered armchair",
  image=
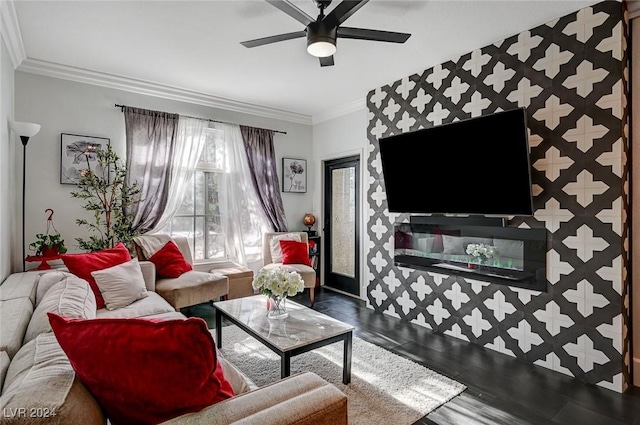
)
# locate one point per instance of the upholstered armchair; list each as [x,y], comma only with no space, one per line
[181,285]
[272,257]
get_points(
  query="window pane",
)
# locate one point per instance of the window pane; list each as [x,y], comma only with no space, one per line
[213,198]
[183,226]
[200,193]
[199,251]
[187,204]
[343,221]
[215,240]
[213,153]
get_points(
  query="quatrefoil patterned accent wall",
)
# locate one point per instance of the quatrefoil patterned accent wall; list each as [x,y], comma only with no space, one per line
[571,75]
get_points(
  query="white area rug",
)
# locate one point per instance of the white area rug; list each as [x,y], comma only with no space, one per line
[385,388]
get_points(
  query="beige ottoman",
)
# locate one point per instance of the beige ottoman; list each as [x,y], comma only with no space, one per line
[192,287]
[240,279]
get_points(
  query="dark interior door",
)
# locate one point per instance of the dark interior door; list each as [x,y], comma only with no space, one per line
[341,224]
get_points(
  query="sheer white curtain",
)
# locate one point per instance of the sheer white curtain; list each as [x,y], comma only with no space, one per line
[190,142]
[242,218]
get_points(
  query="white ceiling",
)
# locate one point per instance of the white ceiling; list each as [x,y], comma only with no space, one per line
[195,45]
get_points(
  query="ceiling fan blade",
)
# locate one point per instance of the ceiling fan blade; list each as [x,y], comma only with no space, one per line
[273,39]
[292,10]
[343,11]
[373,35]
[328,61]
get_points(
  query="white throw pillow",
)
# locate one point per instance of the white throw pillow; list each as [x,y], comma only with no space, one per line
[274,245]
[121,285]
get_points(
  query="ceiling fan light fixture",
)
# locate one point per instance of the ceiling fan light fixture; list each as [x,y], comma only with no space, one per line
[321,41]
[321,49]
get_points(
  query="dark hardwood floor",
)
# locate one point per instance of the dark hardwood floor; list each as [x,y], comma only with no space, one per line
[500,389]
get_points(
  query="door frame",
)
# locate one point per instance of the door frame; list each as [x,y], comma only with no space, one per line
[362,235]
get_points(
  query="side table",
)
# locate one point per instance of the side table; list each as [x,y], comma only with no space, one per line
[240,279]
[43,261]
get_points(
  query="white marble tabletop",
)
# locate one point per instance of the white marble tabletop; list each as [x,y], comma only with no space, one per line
[304,325]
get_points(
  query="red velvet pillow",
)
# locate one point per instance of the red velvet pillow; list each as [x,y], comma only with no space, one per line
[82,265]
[144,371]
[169,261]
[294,252]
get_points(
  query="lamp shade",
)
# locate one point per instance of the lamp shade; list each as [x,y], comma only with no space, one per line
[24,129]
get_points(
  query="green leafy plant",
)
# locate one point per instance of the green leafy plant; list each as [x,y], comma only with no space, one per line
[48,245]
[106,194]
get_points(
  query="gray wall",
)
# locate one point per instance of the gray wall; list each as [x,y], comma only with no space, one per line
[570,74]
[7,148]
[62,106]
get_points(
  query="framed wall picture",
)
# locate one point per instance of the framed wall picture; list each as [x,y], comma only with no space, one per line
[294,175]
[78,153]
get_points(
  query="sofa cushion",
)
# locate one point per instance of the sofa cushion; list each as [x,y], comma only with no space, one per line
[144,371]
[193,287]
[4,365]
[274,245]
[169,261]
[294,252]
[151,305]
[83,264]
[301,399]
[120,285]
[45,281]
[166,316]
[40,377]
[70,297]
[19,285]
[14,319]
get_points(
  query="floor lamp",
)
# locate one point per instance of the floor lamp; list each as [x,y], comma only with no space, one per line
[25,130]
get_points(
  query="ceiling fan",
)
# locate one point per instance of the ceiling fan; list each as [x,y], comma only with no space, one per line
[323,32]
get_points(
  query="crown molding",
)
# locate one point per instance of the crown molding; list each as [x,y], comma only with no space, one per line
[55,70]
[10,30]
[339,111]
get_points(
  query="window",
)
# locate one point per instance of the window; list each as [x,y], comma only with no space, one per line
[199,218]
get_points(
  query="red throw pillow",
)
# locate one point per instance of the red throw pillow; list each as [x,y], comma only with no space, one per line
[144,371]
[82,265]
[169,261]
[294,252]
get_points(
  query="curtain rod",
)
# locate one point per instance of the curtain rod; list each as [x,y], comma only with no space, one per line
[207,119]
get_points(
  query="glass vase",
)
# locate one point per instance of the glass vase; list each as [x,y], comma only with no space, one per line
[277,308]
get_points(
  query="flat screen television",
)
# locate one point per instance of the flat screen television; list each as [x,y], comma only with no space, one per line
[477,166]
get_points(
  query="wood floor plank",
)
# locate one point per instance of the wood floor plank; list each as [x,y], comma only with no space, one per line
[501,389]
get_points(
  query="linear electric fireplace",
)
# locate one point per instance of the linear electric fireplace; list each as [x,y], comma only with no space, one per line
[481,249]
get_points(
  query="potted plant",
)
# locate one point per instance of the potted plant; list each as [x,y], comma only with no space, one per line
[48,245]
[106,194]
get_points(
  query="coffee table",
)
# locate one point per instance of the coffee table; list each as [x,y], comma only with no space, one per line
[304,330]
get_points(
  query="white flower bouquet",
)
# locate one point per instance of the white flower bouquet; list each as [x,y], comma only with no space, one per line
[482,251]
[278,282]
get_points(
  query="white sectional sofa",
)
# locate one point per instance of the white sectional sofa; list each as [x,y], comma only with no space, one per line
[39,385]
